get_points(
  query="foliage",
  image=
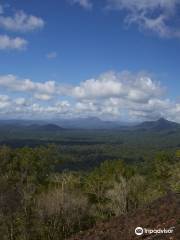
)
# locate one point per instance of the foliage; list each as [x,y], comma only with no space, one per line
[38,203]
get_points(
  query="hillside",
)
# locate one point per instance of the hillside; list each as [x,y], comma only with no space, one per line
[162,213]
[91,123]
[46,127]
[159,125]
[87,123]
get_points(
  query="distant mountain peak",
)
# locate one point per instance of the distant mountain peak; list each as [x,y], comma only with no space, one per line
[158,125]
[162,120]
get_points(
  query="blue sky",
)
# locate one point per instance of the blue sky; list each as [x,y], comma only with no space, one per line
[114,59]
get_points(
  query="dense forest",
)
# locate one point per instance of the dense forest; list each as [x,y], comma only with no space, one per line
[55,185]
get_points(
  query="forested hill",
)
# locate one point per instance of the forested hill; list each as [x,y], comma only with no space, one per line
[159,125]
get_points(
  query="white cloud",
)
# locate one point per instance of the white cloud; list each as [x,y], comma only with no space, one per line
[12,43]
[112,95]
[56,109]
[4,98]
[153,15]
[21,22]
[122,95]
[134,87]
[42,91]
[21,101]
[42,96]
[51,55]
[4,101]
[86,4]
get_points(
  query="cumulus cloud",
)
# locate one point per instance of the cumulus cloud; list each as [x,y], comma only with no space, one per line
[4,101]
[40,90]
[135,96]
[42,96]
[62,108]
[21,101]
[21,22]
[86,4]
[16,43]
[154,15]
[135,87]
[112,95]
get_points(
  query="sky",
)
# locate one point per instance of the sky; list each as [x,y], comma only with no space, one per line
[112,59]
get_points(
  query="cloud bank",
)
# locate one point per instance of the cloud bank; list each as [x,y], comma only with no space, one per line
[112,95]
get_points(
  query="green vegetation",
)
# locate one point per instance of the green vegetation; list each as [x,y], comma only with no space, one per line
[86,149]
[38,202]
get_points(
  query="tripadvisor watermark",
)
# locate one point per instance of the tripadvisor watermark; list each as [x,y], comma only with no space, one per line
[140,231]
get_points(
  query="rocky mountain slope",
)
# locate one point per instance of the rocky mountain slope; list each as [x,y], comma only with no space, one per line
[162,213]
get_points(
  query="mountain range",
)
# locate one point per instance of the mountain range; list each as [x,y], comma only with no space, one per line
[88,123]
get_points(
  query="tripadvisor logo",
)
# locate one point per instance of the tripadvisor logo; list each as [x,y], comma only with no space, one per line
[139,231]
